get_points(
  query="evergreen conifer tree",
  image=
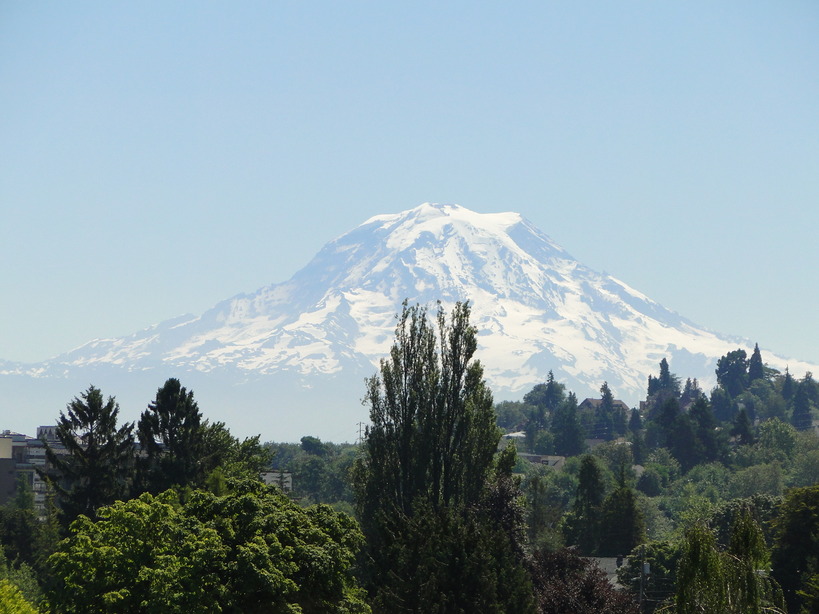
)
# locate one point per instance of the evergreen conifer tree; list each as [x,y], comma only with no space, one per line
[742,429]
[623,527]
[583,523]
[756,369]
[567,429]
[171,435]
[97,466]
[801,418]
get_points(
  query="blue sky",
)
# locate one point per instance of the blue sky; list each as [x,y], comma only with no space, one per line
[158,157]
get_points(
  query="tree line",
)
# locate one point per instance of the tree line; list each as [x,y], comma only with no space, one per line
[683,464]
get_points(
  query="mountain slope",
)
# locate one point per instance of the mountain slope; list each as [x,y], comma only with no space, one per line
[309,342]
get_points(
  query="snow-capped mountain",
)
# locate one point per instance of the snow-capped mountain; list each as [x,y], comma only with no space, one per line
[290,359]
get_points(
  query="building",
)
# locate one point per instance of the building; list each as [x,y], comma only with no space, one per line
[593,404]
[282,479]
[20,457]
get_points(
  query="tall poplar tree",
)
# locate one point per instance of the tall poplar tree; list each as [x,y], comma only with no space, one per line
[435,525]
[96,465]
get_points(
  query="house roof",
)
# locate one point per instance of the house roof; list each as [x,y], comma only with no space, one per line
[595,403]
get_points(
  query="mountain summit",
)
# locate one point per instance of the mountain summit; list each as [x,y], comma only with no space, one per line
[290,359]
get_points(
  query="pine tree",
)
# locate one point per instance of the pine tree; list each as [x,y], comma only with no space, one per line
[635,422]
[547,396]
[171,435]
[691,393]
[742,429]
[604,418]
[683,442]
[788,386]
[583,523]
[665,419]
[802,417]
[622,521]
[756,369]
[567,430]
[97,465]
[707,431]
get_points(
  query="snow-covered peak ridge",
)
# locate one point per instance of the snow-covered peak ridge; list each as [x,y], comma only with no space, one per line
[433,217]
[442,251]
[439,224]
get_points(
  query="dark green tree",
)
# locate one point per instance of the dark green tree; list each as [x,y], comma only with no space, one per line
[707,431]
[635,422]
[788,386]
[722,405]
[582,525]
[512,414]
[567,429]
[546,397]
[312,445]
[664,421]
[639,449]
[223,452]
[691,393]
[97,466]
[756,370]
[661,388]
[683,442]
[742,429]
[622,522]
[666,382]
[606,422]
[426,463]
[170,433]
[732,372]
[802,405]
[795,556]
[650,482]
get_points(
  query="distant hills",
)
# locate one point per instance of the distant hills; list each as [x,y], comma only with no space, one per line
[290,359]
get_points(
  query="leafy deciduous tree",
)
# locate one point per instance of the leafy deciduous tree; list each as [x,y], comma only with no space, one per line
[732,372]
[252,550]
[567,583]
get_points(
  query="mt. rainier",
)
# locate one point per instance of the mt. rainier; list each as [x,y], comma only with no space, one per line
[290,359]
